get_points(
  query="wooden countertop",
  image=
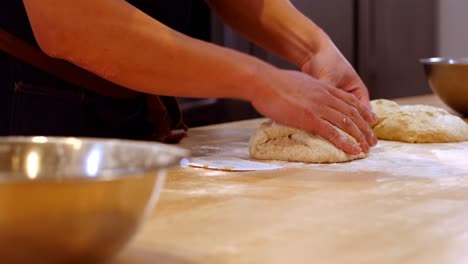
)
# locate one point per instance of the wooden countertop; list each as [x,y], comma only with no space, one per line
[406,203]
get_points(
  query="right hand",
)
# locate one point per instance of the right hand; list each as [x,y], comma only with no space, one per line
[297,100]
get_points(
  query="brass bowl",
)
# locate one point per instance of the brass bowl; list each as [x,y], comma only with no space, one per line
[70,200]
[448,79]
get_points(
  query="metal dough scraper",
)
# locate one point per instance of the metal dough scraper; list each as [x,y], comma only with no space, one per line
[227,164]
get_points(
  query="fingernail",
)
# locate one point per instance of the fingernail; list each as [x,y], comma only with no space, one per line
[366,149]
[374,139]
[364,146]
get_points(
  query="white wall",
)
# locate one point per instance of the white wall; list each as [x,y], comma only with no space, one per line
[453,28]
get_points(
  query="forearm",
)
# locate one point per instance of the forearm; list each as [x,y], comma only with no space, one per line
[122,44]
[275,25]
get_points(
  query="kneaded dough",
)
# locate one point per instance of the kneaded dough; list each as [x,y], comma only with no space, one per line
[276,142]
[417,123]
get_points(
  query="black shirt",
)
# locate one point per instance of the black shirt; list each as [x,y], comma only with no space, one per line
[35,103]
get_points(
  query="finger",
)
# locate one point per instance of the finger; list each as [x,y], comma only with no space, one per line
[357,119]
[351,110]
[330,133]
[361,92]
[367,104]
[362,96]
[352,100]
[346,124]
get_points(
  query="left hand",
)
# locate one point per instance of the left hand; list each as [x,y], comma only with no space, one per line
[330,66]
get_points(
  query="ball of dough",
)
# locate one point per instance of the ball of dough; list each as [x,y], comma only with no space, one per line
[417,123]
[276,142]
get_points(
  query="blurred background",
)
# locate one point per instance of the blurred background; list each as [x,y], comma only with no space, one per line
[383,39]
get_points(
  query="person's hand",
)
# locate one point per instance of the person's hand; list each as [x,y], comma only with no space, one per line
[295,99]
[330,66]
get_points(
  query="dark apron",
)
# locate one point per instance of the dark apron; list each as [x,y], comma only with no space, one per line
[35,103]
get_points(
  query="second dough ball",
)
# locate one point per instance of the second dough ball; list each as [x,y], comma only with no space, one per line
[417,123]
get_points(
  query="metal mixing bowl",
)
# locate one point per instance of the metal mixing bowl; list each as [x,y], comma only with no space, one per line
[70,200]
[448,78]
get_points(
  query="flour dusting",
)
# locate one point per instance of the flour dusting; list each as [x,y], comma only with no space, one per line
[415,160]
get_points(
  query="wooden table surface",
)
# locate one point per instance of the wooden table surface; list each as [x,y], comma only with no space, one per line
[405,203]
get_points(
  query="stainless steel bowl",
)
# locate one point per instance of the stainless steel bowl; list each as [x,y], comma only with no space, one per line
[448,78]
[70,200]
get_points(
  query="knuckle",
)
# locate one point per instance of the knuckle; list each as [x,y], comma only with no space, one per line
[349,123]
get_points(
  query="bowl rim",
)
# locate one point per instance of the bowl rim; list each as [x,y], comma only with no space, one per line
[177,154]
[445,60]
